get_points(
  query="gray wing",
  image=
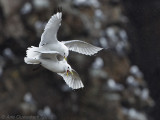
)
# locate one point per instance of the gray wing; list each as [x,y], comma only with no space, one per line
[49,35]
[73,81]
[82,47]
[49,55]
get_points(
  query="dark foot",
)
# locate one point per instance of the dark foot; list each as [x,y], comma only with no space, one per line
[36,68]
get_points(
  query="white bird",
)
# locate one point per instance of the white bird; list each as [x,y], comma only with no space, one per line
[48,59]
[49,40]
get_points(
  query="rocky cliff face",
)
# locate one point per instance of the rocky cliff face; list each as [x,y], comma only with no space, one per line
[114,88]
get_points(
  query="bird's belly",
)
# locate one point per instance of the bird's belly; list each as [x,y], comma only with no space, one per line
[53,66]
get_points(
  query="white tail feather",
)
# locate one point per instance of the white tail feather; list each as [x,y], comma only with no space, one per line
[31,61]
[32,55]
[31,52]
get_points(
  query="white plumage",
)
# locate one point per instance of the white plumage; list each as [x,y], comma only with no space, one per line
[49,40]
[72,81]
[48,59]
[51,53]
[82,47]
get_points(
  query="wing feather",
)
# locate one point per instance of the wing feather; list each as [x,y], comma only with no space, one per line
[82,47]
[73,81]
[50,31]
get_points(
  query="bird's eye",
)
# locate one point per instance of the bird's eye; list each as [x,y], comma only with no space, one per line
[64,53]
[68,67]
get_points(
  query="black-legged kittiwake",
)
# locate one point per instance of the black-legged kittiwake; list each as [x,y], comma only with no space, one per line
[49,40]
[48,59]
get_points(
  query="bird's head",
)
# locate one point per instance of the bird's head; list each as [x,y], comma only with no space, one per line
[65,54]
[68,69]
[65,51]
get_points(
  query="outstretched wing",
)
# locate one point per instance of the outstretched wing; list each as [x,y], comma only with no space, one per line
[73,81]
[82,47]
[50,32]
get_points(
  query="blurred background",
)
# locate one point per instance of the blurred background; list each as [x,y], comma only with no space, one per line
[121,82]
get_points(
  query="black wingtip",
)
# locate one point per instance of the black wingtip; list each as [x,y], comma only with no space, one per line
[58,9]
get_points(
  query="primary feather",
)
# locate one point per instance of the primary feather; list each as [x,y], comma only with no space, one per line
[82,47]
[73,81]
[49,35]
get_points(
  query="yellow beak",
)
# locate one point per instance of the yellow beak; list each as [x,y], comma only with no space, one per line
[70,72]
[67,73]
[65,58]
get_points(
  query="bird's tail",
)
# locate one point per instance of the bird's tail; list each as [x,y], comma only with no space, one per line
[31,52]
[31,61]
[32,55]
